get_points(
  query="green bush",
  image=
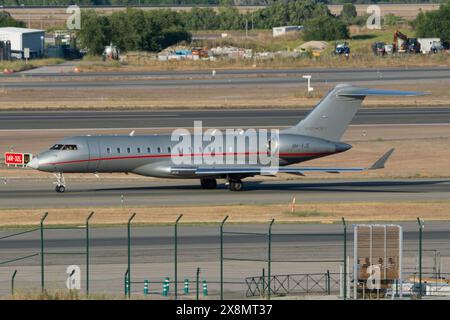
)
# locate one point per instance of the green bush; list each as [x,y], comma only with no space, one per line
[325,28]
[434,23]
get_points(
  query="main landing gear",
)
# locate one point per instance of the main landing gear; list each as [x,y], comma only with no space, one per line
[208,183]
[60,183]
[235,185]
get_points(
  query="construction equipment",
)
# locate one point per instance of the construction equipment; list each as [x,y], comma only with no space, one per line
[403,44]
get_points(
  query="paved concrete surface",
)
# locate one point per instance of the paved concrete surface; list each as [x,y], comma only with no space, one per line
[24,193]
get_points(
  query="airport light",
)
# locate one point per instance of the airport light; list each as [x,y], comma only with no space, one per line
[221,257]
[308,77]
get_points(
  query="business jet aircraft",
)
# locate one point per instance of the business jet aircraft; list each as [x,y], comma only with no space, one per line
[318,135]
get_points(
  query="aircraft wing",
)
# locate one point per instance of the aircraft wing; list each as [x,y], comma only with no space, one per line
[262,170]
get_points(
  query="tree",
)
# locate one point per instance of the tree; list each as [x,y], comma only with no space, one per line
[348,13]
[95,31]
[434,23]
[7,21]
[325,28]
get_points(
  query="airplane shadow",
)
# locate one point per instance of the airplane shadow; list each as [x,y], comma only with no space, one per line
[402,186]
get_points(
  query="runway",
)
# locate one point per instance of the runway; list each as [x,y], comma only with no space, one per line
[230,72]
[224,78]
[13,120]
[24,193]
[152,254]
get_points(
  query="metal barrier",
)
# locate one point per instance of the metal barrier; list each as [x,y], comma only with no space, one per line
[269,259]
[316,283]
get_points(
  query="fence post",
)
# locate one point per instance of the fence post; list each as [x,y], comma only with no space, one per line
[176,255]
[328,282]
[345,258]
[129,251]
[420,222]
[269,258]
[87,251]
[263,283]
[196,283]
[12,282]
[221,257]
[42,252]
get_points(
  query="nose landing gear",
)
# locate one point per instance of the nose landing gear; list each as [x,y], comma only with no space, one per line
[60,183]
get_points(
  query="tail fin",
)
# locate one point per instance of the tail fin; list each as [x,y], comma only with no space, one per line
[332,115]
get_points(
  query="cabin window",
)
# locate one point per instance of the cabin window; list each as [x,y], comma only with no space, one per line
[169,150]
[108,150]
[129,150]
[149,150]
[118,150]
[138,150]
[159,149]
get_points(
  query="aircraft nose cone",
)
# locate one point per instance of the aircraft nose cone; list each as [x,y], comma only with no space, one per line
[34,163]
[341,147]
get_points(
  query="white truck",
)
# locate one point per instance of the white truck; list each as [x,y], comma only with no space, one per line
[428,45]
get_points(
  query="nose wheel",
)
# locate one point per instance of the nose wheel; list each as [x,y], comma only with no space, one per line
[60,183]
[60,189]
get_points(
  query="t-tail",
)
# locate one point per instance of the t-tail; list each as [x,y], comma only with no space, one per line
[332,115]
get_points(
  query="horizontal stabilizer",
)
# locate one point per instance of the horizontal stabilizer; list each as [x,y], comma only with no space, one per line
[363,92]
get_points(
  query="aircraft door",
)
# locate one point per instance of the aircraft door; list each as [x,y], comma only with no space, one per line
[94,155]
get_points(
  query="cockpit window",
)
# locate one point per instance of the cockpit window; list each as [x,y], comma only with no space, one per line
[64,147]
[70,147]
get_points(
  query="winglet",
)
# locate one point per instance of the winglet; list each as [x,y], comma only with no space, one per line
[379,164]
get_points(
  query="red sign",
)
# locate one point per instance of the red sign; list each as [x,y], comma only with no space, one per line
[13,158]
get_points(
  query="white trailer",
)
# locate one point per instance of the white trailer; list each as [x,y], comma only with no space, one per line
[427,44]
[281,31]
[22,38]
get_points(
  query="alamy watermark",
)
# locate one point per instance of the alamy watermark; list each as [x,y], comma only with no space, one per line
[374,20]
[73,22]
[229,147]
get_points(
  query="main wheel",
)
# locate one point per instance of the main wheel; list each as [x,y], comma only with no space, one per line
[60,189]
[208,183]
[236,185]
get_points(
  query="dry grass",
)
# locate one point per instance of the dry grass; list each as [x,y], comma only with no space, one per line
[304,213]
[21,65]
[57,295]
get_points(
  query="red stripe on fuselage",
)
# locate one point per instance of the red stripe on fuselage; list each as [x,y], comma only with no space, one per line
[310,154]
